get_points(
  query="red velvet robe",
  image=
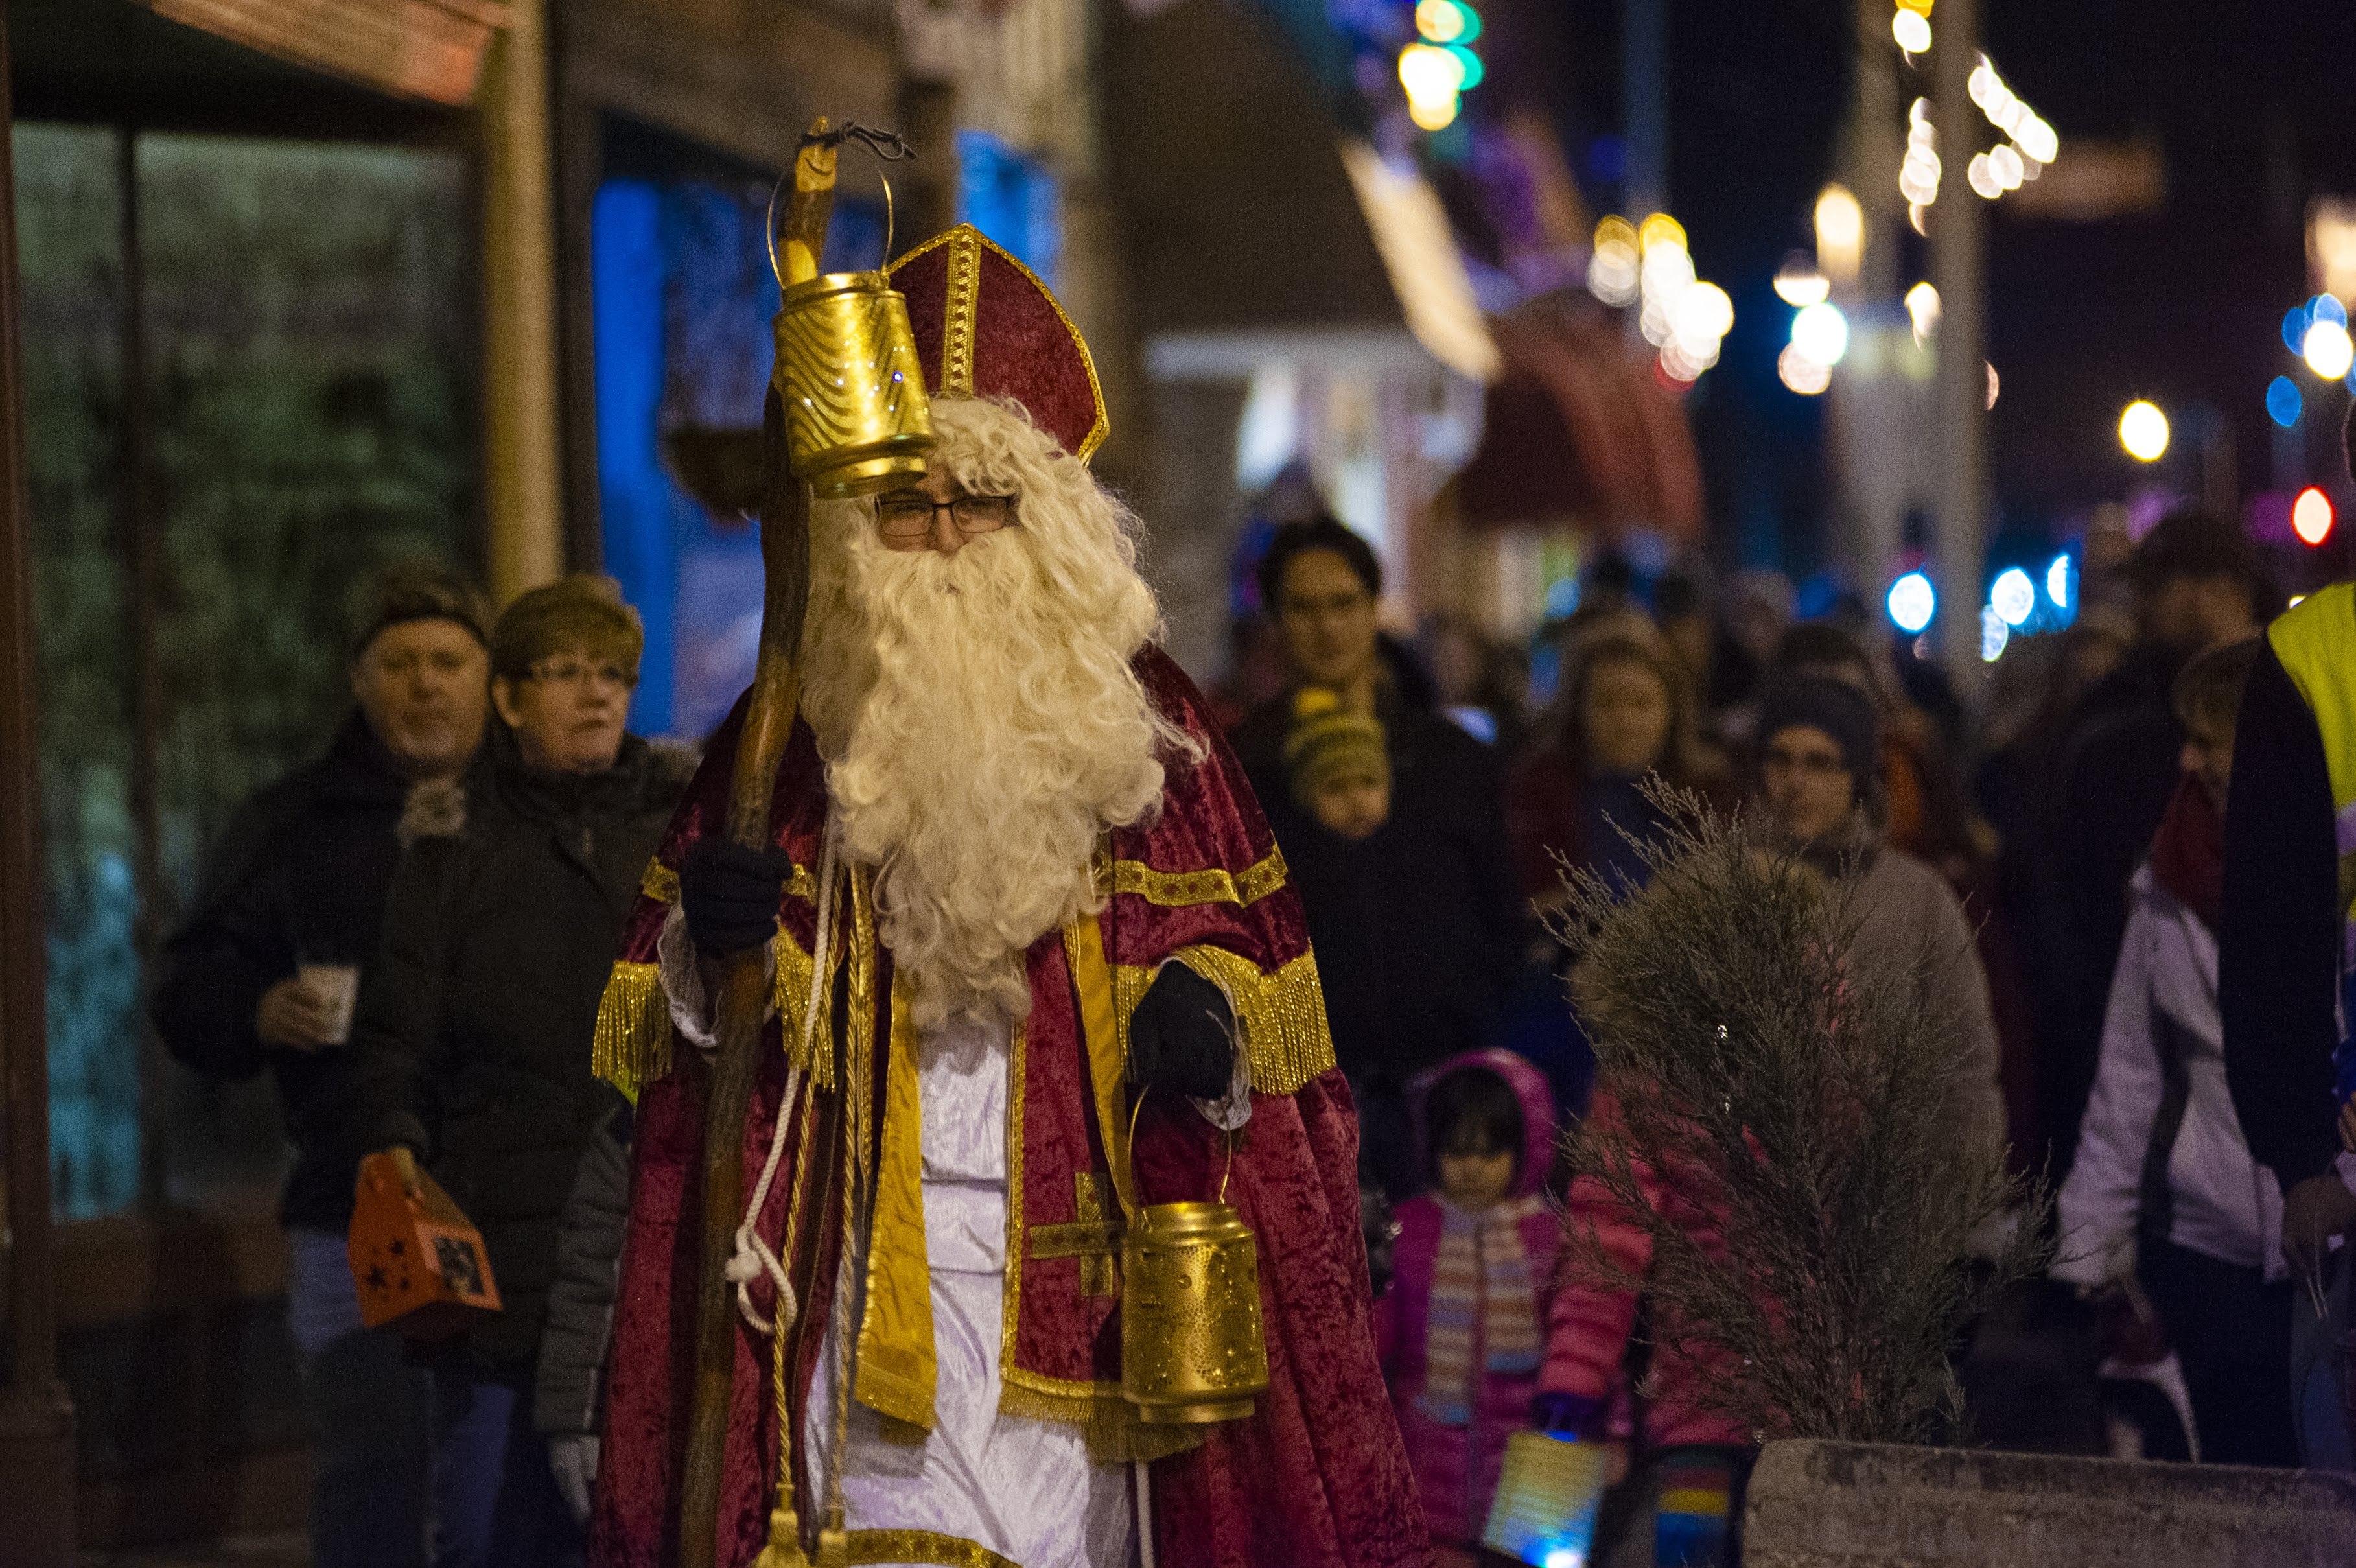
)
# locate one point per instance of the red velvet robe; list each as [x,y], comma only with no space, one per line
[1317,1476]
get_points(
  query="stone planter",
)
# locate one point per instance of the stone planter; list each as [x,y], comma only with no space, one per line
[1856,1505]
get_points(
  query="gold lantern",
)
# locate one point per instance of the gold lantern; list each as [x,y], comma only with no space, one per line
[857,420]
[1191,1348]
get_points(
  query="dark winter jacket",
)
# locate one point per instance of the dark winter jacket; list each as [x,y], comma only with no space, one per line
[300,876]
[2118,773]
[475,1025]
[570,1396]
[2279,948]
[1417,928]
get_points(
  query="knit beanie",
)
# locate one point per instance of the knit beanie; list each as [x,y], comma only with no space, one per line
[1836,707]
[1327,741]
[415,590]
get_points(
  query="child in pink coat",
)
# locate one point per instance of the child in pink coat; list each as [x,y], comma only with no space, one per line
[1462,1329]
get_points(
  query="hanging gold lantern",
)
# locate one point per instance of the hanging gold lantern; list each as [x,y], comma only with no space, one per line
[1191,1347]
[857,420]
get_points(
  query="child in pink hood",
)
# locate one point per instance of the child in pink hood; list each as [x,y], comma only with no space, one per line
[1462,1329]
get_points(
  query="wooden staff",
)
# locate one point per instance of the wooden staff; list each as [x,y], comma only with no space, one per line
[744,995]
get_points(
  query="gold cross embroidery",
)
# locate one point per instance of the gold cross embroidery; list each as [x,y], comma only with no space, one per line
[1091,1238]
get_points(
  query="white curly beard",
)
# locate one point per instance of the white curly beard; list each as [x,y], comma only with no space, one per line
[980,723]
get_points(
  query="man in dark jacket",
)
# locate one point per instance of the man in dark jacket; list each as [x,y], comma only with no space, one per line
[1440,862]
[261,975]
[2199,588]
[476,1023]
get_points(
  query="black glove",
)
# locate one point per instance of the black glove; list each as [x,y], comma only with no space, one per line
[730,894]
[1180,1036]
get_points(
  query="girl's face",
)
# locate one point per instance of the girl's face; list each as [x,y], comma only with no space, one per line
[1476,1179]
[1626,715]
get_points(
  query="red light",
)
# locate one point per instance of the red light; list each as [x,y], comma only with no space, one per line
[2310,516]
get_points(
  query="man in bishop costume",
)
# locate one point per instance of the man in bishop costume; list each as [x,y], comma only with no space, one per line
[1020,896]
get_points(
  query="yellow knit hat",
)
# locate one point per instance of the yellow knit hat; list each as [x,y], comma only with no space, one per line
[1328,740]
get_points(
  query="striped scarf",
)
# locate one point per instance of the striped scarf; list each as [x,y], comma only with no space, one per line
[1480,1288]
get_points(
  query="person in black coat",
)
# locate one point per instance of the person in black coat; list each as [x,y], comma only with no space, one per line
[1417,925]
[2199,588]
[259,976]
[476,1023]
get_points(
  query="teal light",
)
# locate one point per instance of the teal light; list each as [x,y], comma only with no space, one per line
[1473,70]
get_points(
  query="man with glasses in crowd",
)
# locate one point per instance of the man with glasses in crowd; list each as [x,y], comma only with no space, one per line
[261,974]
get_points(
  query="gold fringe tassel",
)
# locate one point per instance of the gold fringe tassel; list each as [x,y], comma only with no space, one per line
[631,1046]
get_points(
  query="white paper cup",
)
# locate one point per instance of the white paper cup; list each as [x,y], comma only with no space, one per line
[338,987]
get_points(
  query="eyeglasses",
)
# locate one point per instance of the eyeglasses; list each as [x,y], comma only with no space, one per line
[907,518]
[580,672]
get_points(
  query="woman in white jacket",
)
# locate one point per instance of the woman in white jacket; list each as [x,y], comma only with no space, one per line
[2163,1185]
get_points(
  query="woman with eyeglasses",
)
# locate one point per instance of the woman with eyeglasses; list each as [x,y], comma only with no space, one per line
[473,1039]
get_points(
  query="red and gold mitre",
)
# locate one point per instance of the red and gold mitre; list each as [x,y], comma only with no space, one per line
[986,327]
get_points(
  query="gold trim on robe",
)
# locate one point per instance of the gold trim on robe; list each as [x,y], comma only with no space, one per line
[631,1044]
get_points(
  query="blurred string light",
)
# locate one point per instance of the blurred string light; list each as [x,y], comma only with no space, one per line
[1438,69]
[1918,176]
[2007,166]
[2143,431]
[2310,516]
[1993,384]
[2284,403]
[1649,266]
[1994,635]
[1840,232]
[1922,309]
[2013,596]
[1911,30]
[1913,602]
[1798,283]
[2057,582]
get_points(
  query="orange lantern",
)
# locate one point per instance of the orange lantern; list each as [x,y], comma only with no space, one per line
[420,1263]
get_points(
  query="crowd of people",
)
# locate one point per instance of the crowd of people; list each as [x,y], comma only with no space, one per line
[2133,920]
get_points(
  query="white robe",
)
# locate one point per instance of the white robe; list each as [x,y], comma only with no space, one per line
[1027,1489]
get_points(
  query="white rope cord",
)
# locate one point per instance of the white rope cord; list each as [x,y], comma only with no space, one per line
[753,1257]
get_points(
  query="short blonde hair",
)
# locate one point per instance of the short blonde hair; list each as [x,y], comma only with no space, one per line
[579,611]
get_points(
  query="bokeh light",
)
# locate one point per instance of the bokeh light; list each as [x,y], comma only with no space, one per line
[2143,431]
[1802,374]
[1922,307]
[1912,33]
[2294,325]
[2284,403]
[1840,232]
[2310,516]
[1912,602]
[1440,21]
[2057,582]
[1994,635]
[1798,283]
[2329,351]
[2013,596]
[1821,332]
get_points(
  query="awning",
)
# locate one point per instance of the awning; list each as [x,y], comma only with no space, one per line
[1577,430]
[431,49]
